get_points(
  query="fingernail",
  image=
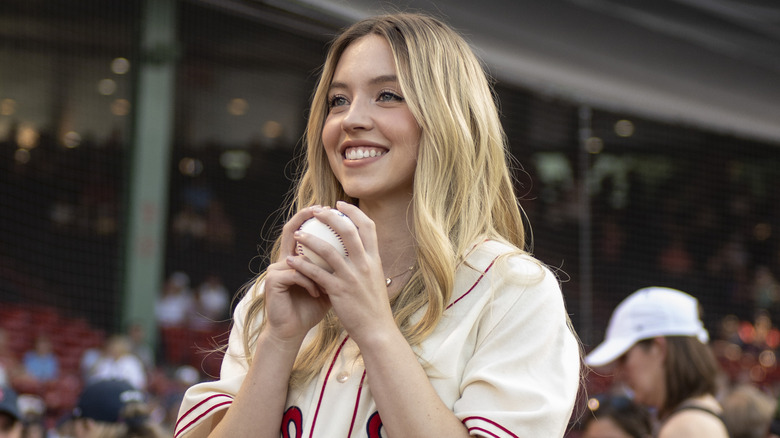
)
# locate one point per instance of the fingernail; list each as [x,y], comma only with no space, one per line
[297,234]
[290,260]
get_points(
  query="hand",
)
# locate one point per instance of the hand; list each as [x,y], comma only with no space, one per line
[356,289]
[294,303]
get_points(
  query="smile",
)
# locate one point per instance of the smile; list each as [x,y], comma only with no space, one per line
[363,152]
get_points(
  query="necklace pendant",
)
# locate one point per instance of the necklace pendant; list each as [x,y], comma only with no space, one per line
[388,280]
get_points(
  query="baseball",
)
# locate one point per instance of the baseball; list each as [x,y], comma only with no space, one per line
[318,229]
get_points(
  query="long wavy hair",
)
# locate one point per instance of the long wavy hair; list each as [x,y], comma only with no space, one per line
[463,187]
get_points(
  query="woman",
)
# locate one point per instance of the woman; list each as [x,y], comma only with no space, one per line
[436,323]
[658,343]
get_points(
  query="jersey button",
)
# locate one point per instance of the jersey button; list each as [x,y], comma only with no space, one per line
[342,377]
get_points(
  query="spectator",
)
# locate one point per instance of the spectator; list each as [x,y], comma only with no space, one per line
[658,342]
[41,363]
[765,289]
[118,362]
[175,305]
[11,425]
[10,367]
[774,424]
[33,411]
[747,412]
[212,302]
[616,416]
[88,360]
[140,347]
[111,408]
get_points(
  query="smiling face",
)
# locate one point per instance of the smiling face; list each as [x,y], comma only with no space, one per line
[370,136]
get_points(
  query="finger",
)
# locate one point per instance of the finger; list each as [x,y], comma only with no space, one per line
[365,227]
[320,277]
[287,278]
[345,228]
[288,240]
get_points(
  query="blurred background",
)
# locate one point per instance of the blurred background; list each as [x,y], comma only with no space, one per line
[146,148]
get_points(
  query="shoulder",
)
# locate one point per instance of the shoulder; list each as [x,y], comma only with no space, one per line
[509,269]
[694,423]
[500,280]
[503,258]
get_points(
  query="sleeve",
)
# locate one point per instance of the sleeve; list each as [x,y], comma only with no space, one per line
[524,376]
[203,400]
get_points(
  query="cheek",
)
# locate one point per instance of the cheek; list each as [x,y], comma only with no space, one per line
[412,133]
[640,377]
[631,370]
[331,134]
[401,128]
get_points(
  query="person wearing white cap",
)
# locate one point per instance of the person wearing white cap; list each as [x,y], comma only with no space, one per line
[658,345]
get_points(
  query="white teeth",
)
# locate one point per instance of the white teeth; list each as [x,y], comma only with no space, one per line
[359,153]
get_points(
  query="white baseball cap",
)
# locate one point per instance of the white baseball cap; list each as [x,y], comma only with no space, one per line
[645,314]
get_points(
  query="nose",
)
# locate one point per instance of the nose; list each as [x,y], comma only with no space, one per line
[358,116]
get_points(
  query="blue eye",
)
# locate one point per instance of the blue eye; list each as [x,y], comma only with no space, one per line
[387,96]
[337,101]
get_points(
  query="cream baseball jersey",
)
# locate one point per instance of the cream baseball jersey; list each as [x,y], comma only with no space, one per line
[503,358]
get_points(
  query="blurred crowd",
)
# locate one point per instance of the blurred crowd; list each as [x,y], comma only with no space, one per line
[48,382]
[48,358]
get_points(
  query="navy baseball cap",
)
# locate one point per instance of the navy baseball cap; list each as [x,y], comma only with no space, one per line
[9,402]
[104,400]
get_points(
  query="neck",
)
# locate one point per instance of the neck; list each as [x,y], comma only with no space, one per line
[395,240]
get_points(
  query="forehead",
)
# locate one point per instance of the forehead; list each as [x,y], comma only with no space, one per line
[367,56]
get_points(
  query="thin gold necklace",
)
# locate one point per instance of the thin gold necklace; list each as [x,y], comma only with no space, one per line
[389,280]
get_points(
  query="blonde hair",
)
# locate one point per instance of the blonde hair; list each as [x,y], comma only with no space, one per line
[463,189]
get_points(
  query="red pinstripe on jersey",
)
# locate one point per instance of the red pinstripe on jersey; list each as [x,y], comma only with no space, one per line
[474,285]
[324,384]
[486,420]
[207,412]
[357,403]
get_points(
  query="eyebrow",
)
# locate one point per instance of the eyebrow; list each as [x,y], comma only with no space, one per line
[374,81]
